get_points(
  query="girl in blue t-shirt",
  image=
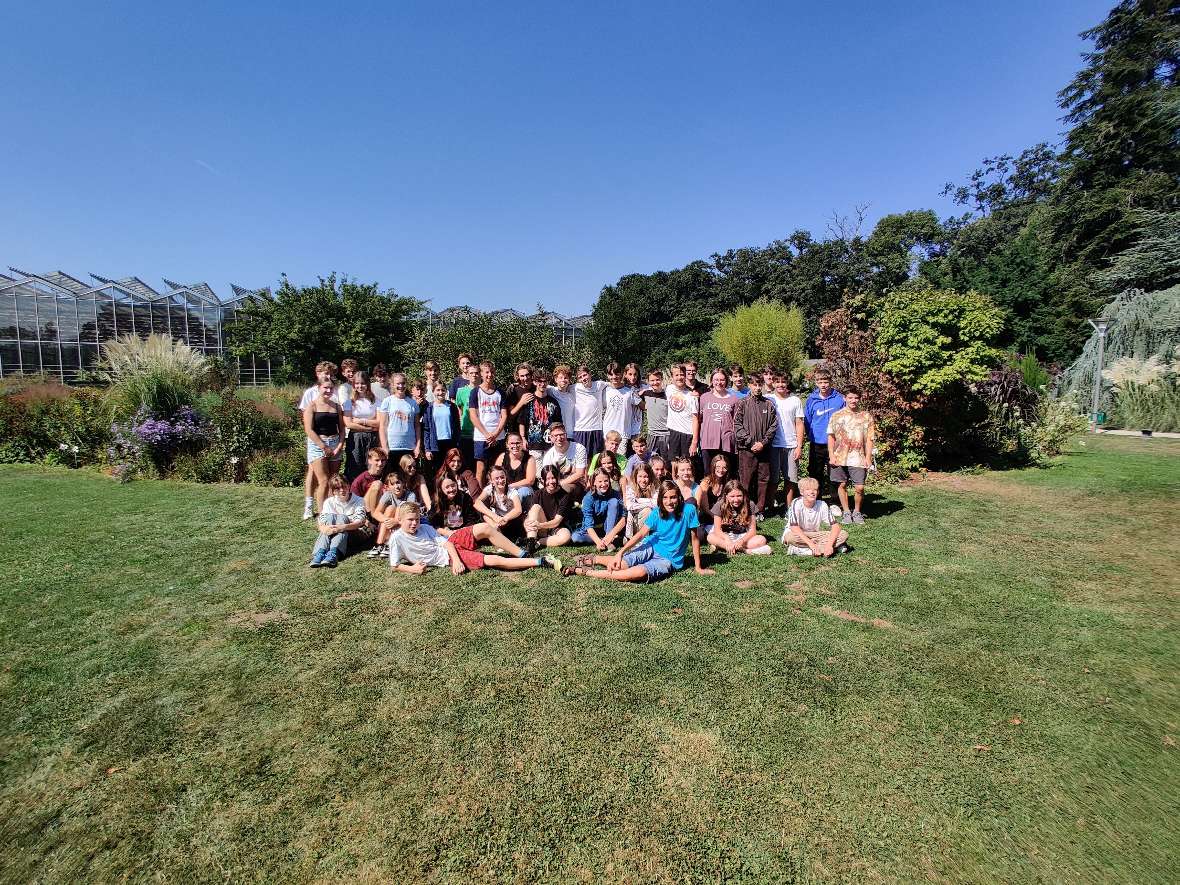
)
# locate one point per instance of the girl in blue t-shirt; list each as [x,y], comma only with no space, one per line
[657,548]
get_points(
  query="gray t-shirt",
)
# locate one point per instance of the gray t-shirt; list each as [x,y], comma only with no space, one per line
[657,411]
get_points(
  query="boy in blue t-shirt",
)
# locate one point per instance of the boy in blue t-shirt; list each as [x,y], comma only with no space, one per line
[822,403]
[657,548]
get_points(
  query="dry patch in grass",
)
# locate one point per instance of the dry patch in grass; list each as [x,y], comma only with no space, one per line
[857,619]
[256,620]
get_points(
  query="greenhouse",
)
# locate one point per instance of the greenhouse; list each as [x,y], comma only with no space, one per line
[54,323]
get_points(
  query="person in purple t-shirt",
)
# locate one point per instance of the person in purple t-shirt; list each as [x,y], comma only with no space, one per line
[717,437]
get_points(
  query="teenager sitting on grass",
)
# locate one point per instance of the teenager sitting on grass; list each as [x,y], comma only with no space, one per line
[519,465]
[657,549]
[341,513]
[547,520]
[602,515]
[454,467]
[639,499]
[611,441]
[501,505]
[453,507]
[415,481]
[393,494]
[735,528]
[416,546]
[807,516]
[569,458]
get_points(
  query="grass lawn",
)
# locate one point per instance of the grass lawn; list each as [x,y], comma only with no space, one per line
[987,688]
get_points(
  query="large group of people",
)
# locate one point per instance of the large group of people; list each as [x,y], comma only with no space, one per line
[643,468]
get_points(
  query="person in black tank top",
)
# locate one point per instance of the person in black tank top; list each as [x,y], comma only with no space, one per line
[323,424]
[520,468]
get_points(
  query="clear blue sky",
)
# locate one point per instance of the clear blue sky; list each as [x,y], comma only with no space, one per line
[496,154]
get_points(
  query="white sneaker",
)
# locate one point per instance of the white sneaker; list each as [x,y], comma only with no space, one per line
[378,551]
[764,550]
[799,551]
[308,511]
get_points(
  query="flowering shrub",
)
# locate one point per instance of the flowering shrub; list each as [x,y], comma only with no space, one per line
[165,436]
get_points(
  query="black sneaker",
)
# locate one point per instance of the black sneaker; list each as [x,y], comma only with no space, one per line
[844,548]
[530,546]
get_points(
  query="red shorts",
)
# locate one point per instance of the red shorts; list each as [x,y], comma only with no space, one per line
[464,543]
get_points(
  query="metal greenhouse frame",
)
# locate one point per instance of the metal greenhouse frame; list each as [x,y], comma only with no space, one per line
[54,323]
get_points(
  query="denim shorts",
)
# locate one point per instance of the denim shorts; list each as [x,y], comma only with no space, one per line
[655,565]
[314,452]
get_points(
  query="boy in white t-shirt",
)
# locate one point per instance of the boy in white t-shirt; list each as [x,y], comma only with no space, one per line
[684,419]
[569,458]
[588,395]
[620,404]
[416,546]
[806,518]
[788,440]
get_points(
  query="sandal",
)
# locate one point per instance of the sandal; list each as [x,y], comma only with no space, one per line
[570,570]
[585,560]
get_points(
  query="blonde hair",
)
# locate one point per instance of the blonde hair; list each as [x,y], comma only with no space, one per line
[408,509]
[809,482]
[614,434]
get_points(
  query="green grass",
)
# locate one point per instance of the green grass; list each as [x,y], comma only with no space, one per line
[179,695]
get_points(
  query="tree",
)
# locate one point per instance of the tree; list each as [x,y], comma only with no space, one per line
[301,325]
[1122,152]
[1153,262]
[507,342]
[762,334]
[935,338]
[849,350]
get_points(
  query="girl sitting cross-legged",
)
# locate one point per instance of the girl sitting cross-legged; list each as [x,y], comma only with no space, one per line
[734,527]
[545,524]
[501,505]
[657,549]
[602,514]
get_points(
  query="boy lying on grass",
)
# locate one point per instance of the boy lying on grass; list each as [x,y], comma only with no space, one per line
[657,548]
[415,546]
[806,517]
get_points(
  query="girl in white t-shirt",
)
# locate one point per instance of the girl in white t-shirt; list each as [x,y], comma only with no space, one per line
[361,421]
[499,504]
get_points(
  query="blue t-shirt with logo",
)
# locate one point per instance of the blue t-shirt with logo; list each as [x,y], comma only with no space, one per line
[816,412]
[400,417]
[669,534]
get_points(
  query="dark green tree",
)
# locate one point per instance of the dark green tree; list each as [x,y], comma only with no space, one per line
[300,325]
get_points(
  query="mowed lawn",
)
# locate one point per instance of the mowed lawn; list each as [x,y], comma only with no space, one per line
[987,688]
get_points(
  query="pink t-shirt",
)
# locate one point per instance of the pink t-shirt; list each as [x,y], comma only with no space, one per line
[717,421]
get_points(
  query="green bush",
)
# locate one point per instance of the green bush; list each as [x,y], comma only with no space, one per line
[210,465]
[935,339]
[38,418]
[242,427]
[278,467]
[765,333]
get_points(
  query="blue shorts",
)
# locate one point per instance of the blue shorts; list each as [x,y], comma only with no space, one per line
[655,565]
[314,452]
[487,451]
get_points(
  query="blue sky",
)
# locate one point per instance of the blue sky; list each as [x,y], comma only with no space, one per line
[496,154]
